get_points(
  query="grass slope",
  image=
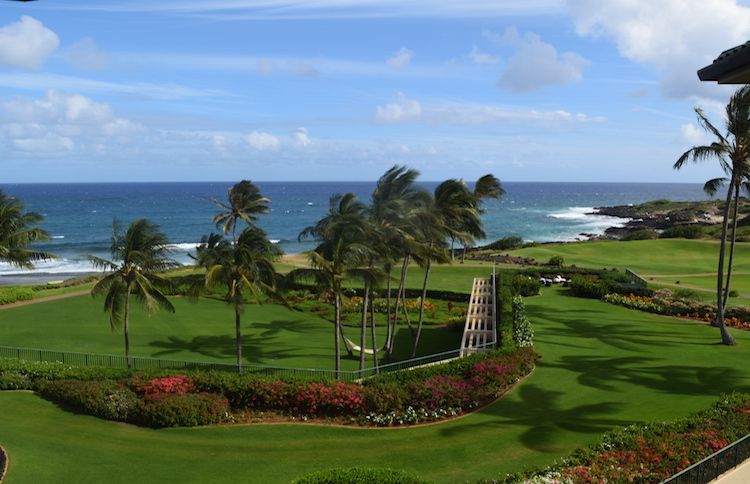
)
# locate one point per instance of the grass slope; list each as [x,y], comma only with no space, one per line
[602,366]
[203,331]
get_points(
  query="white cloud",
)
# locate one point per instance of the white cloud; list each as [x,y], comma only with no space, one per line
[482,58]
[676,37]
[263,141]
[327,9]
[26,43]
[61,123]
[85,54]
[404,109]
[536,64]
[302,137]
[693,135]
[401,58]
[456,113]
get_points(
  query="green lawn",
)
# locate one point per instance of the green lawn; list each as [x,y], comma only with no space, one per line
[601,366]
[203,331]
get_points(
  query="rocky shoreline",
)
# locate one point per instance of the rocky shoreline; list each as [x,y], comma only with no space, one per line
[658,215]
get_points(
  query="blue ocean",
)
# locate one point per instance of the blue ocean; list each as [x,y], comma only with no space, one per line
[79,217]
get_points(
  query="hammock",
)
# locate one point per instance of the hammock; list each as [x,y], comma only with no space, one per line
[354,347]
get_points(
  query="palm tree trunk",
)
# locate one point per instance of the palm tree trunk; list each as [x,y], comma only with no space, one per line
[363,329]
[732,242]
[238,336]
[726,338]
[337,332]
[399,298]
[126,329]
[388,306]
[453,241]
[463,254]
[374,337]
[421,305]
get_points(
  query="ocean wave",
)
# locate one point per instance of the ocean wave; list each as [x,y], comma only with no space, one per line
[184,246]
[55,266]
[584,220]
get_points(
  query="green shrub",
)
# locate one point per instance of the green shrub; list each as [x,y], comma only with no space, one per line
[526,285]
[522,333]
[684,232]
[105,398]
[641,234]
[586,286]
[9,295]
[733,293]
[360,475]
[556,261]
[182,410]
[506,243]
[456,323]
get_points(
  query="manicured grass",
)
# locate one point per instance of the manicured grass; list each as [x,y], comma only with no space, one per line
[646,257]
[197,331]
[601,366]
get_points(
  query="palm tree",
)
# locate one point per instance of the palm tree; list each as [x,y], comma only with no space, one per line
[244,202]
[487,186]
[452,213]
[138,256]
[732,150]
[244,267]
[17,231]
[341,250]
[394,199]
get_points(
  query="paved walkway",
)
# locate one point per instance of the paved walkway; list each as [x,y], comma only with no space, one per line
[46,299]
[738,475]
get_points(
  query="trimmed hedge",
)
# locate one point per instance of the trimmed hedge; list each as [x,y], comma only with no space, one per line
[526,285]
[360,475]
[589,287]
[25,375]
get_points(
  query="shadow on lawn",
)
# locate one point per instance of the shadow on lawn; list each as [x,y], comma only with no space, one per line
[540,412]
[257,348]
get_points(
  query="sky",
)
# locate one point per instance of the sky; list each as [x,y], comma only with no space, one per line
[303,90]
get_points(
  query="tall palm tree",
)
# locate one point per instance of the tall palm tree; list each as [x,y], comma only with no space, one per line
[394,199]
[342,249]
[487,186]
[732,150]
[452,213]
[244,202]
[243,268]
[138,256]
[18,229]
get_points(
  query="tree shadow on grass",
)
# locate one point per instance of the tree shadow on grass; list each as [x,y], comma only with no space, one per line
[607,374]
[256,348]
[540,411]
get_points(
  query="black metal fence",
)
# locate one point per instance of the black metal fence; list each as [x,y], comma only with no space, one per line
[715,464]
[142,363]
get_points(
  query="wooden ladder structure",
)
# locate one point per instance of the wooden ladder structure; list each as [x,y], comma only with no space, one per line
[479,331]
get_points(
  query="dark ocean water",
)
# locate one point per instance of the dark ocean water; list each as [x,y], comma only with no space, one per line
[79,216]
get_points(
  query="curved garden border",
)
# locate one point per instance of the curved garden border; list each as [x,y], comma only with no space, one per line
[4,462]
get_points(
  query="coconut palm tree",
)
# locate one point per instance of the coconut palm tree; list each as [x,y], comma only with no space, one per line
[341,251]
[138,256]
[732,150]
[487,186]
[243,268]
[18,229]
[244,202]
[452,213]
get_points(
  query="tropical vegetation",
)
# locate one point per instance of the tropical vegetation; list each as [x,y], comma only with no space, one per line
[18,230]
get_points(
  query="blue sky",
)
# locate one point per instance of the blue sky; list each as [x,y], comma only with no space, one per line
[547,90]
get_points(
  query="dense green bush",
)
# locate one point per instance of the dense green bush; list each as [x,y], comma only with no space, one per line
[360,475]
[641,234]
[684,232]
[556,261]
[522,332]
[182,410]
[9,295]
[506,243]
[105,398]
[526,285]
[686,294]
[24,375]
[590,287]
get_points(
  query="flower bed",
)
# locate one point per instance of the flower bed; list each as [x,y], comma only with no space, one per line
[406,397]
[664,303]
[653,452]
